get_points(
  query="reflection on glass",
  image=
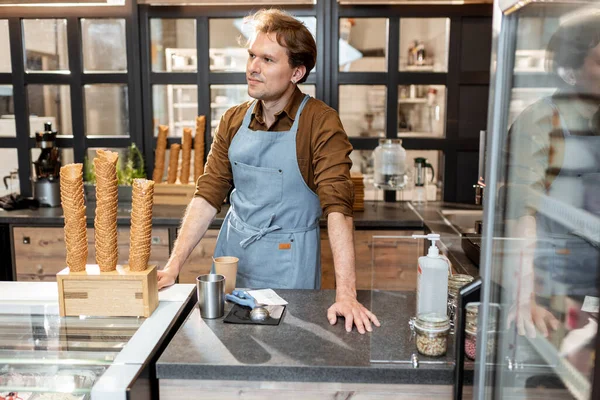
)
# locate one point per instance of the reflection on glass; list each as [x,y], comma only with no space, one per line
[106,110]
[363,44]
[421,110]
[49,103]
[175,106]
[424,44]
[173,45]
[9,171]
[532,40]
[46,45]
[5,60]
[7,112]
[363,163]
[549,209]
[228,39]
[362,110]
[104,45]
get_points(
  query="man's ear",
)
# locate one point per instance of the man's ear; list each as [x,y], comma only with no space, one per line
[299,73]
[568,75]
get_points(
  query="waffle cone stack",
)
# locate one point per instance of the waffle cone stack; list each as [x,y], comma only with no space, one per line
[105,223]
[173,163]
[72,199]
[159,154]
[186,156]
[141,224]
[199,147]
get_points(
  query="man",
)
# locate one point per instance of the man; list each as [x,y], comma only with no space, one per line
[288,157]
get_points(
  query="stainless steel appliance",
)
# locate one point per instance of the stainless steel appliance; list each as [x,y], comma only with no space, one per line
[47,168]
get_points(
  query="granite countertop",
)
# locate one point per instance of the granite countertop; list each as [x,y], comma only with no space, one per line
[377,215]
[304,347]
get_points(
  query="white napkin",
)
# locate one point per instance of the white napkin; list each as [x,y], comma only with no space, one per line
[268,297]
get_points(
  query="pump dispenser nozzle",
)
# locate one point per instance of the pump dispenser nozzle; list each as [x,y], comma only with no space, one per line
[433,250]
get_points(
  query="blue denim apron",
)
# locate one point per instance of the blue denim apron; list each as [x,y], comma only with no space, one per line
[566,264]
[272,225]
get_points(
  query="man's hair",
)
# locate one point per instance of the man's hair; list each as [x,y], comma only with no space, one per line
[289,33]
[572,42]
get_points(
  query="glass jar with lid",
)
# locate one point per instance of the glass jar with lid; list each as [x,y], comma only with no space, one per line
[390,164]
[471,330]
[432,334]
[455,282]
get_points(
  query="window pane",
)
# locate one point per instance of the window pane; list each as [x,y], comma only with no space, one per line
[310,90]
[50,103]
[5,59]
[8,168]
[362,162]
[424,44]
[65,156]
[222,97]
[228,42]
[175,106]
[7,112]
[173,45]
[104,45]
[106,110]
[421,110]
[46,45]
[362,110]
[363,44]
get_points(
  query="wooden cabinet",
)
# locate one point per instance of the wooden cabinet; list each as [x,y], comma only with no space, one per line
[388,263]
[200,261]
[40,252]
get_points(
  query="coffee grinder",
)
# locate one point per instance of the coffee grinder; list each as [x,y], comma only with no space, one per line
[47,168]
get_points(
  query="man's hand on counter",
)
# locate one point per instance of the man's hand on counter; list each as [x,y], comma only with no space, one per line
[166,277]
[355,314]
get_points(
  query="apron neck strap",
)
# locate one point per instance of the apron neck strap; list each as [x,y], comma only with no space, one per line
[248,116]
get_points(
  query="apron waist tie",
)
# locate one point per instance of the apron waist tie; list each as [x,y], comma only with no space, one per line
[258,235]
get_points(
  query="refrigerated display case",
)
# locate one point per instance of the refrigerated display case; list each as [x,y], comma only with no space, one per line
[45,356]
[540,255]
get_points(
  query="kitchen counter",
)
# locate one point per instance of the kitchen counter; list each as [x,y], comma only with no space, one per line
[377,215]
[305,347]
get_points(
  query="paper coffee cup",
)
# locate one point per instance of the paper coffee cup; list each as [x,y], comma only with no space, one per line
[227,266]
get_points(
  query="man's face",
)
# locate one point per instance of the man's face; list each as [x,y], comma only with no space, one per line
[589,74]
[268,70]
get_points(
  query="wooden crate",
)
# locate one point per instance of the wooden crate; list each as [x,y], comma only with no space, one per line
[173,193]
[120,293]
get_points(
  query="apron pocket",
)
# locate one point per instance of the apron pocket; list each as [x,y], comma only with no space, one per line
[267,262]
[257,185]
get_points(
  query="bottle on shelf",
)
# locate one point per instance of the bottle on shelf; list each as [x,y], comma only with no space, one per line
[420,53]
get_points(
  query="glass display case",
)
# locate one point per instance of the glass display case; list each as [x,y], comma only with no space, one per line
[45,356]
[541,232]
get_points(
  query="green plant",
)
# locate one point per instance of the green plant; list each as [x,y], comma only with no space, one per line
[133,167]
[89,173]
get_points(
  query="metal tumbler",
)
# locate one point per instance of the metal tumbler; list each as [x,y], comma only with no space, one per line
[211,295]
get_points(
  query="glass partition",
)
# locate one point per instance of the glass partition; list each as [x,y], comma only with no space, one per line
[102,101]
[542,228]
[175,106]
[421,111]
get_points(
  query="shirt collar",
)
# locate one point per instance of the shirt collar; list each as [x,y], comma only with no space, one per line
[291,108]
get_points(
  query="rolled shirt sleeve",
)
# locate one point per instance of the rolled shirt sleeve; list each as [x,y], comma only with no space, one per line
[332,163]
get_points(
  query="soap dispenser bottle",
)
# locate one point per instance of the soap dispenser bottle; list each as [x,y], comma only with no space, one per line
[432,279]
